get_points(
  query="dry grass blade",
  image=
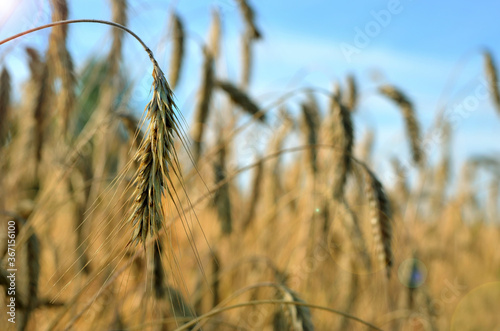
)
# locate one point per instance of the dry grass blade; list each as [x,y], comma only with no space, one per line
[380,215]
[203,103]
[4,101]
[177,50]
[156,158]
[249,17]
[241,99]
[412,127]
[492,76]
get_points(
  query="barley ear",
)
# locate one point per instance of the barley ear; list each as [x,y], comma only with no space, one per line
[492,77]
[176,60]
[352,94]
[310,126]
[249,17]
[412,126]
[241,99]
[157,158]
[380,215]
[61,64]
[290,316]
[203,104]
[340,123]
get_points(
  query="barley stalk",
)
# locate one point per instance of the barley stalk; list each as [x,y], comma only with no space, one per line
[246,60]
[158,273]
[215,34]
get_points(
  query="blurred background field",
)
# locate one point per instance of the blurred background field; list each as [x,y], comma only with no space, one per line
[340,156]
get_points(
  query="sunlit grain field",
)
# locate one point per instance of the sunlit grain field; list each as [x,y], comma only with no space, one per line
[117,219]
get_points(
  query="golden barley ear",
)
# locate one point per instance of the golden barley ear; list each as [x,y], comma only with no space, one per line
[241,99]
[157,160]
[119,13]
[310,119]
[342,136]
[42,101]
[249,18]
[203,104]
[412,126]
[61,64]
[176,60]
[381,218]
[492,77]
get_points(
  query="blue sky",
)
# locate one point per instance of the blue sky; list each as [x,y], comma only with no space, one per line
[431,50]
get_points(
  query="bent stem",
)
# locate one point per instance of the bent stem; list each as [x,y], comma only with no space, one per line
[85,20]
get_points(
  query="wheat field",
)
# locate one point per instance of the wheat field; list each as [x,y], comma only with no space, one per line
[116,218]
